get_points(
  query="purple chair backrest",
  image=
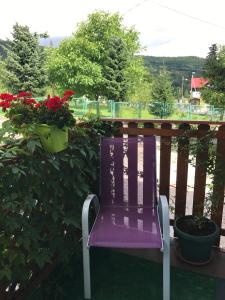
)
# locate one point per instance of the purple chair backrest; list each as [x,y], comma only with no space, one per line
[128,171]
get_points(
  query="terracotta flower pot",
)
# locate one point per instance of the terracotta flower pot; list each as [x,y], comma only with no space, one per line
[52,138]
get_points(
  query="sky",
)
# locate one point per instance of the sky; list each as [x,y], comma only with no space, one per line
[166,27]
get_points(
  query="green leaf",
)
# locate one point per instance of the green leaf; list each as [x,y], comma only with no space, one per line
[32,144]
[71,221]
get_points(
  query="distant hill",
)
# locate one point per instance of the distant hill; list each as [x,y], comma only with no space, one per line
[179,67]
[52,41]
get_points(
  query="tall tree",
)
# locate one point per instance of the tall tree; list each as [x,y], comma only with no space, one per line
[81,61]
[162,94]
[214,71]
[139,81]
[114,70]
[25,70]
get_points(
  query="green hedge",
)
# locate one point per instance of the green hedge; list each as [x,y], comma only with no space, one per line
[40,205]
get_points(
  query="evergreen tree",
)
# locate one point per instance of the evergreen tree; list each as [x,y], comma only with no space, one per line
[113,70]
[214,71]
[162,94]
[213,68]
[24,64]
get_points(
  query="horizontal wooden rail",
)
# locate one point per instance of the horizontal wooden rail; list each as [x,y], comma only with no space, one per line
[161,121]
[165,132]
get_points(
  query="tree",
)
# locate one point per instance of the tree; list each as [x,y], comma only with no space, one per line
[139,81]
[214,71]
[162,94]
[2,71]
[94,61]
[24,65]
[114,70]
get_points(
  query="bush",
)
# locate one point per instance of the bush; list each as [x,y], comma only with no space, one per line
[41,200]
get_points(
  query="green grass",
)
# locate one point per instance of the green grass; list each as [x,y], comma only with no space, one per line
[117,276]
[126,112]
[132,113]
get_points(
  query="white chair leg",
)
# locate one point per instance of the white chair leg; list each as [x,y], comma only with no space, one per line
[86,268]
[85,236]
[166,271]
[165,226]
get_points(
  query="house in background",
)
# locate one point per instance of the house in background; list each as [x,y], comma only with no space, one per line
[196,84]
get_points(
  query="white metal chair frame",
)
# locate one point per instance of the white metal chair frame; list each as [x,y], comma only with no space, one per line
[163,211]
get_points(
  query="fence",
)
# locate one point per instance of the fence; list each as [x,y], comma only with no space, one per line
[155,110]
[166,131]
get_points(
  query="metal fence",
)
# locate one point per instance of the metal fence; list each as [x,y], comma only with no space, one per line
[157,110]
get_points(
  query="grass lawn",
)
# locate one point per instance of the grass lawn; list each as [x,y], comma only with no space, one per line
[128,112]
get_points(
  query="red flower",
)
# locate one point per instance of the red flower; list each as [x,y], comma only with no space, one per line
[29,101]
[53,103]
[65,99]
[7,97]
[37,105]
[24,94]
[4,104]
[68,93]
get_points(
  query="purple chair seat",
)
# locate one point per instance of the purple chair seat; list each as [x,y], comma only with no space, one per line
[126,227]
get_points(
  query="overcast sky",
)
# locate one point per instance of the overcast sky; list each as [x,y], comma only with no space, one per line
[167,27]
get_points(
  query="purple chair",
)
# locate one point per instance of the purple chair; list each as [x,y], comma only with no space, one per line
[130,215]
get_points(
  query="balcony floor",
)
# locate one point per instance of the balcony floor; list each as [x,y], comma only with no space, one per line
[120,276]
[216,267]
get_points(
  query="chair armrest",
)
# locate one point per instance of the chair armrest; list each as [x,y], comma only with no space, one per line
[164,218]
[85,214]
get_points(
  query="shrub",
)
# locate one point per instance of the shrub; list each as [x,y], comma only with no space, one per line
[41,200]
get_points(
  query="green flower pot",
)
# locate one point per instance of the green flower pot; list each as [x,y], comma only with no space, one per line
[52,138]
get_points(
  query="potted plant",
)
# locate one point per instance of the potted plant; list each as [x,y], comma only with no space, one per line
[196,236]
[197,233]
[49,119]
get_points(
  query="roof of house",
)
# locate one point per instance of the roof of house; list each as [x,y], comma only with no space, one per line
[198,82]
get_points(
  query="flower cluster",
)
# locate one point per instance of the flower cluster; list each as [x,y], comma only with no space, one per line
[23,109]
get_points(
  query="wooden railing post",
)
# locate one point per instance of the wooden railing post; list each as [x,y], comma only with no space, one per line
[165,157]
[133,179]
[182,172]
[118,125]
[219,179]
[200,171]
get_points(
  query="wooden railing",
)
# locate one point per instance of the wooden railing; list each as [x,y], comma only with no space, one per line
[167,130]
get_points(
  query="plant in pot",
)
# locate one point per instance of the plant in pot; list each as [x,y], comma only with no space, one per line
[198,233]
[196,237]
[49,119]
